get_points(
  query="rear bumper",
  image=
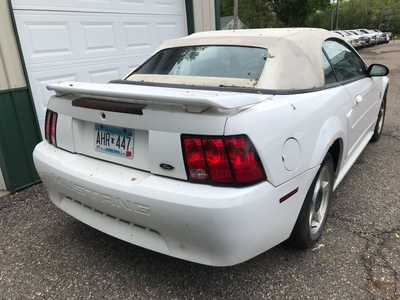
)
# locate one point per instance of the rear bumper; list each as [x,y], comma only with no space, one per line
[216,226]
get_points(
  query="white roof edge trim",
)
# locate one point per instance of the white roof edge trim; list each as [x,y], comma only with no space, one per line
[194,100]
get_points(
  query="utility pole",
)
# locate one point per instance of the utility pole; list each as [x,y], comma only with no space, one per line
[235,14]
[333,3]
[337,14]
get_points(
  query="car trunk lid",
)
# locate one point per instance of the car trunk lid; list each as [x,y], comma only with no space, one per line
[140,126]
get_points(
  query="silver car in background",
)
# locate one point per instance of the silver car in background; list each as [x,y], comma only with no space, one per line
[360,38]
[352,39]
[371,35]
[364,41]
[383,37]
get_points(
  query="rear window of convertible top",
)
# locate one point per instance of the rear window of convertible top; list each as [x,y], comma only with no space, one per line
[208,61]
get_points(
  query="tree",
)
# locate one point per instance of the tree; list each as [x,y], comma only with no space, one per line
[381,14]
[253,13]
[296,12]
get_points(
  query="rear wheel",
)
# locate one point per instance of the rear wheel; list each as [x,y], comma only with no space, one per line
[380,122]
[312,218]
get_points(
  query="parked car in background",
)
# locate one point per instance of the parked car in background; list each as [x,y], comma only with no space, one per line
[215,150]
[350,38]
[386,36]
[362,40]
[371,35]
[381,37]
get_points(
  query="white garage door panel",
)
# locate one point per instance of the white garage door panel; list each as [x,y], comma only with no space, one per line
[46,39]
[90,46]
[163,7]
[41,94]
[99,71]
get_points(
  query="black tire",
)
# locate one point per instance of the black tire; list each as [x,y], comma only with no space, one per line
[380,121]
[302,236]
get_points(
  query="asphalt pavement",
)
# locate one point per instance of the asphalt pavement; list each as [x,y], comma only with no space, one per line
[45,254]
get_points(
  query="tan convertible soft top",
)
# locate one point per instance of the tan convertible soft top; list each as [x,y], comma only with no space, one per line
[294,54]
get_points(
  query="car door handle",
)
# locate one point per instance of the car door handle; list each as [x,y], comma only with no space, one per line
[358,100]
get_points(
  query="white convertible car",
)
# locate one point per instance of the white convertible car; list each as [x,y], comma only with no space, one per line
[220,146]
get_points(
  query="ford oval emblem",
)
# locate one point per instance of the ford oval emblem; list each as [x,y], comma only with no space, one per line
[167,167]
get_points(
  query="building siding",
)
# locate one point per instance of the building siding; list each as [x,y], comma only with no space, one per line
[11,72]
[3,76]
[204,15]
[18,126]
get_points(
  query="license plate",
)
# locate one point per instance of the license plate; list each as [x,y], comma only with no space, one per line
[114,140]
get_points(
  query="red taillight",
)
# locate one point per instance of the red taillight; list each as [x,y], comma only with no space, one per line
[51,127]
[225,160]
[195,161]
[217,160]
[47,125]
[244,159]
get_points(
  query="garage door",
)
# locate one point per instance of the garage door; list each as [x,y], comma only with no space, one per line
[96,40]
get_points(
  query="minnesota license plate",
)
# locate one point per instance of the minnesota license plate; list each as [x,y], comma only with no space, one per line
[114,140]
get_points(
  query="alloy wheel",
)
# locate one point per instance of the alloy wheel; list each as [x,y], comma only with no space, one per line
[381,118]
[320,201]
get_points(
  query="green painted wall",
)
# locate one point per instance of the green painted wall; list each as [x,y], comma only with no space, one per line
[19,134]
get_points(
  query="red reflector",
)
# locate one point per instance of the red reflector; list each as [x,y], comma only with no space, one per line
[50,128]
[230,160]
[287,196]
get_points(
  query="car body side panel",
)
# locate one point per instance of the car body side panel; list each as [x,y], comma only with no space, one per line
[333,129]
[314,120]
[364,98]
[382,83]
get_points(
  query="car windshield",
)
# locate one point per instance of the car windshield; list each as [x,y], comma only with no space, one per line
[208,61]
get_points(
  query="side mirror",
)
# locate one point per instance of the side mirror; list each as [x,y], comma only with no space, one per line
[377,70]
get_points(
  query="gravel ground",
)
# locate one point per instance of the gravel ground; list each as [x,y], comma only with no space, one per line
[45,254]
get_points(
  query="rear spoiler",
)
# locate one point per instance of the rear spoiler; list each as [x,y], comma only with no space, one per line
[194,100]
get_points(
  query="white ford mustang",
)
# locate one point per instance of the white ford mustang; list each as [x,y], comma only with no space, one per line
[217,148]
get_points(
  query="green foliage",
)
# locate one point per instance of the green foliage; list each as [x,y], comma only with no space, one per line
[295,12]
[254,13]
[273,13]
[382,14]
